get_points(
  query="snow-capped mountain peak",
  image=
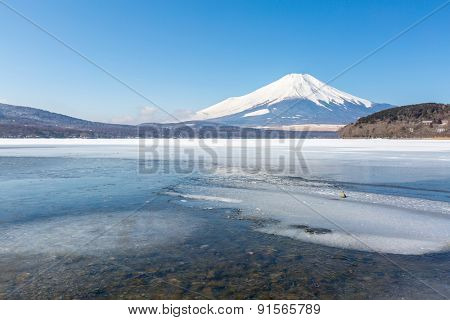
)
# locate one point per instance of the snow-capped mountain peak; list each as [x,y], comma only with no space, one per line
[305,86]
[291,86]
[292,99]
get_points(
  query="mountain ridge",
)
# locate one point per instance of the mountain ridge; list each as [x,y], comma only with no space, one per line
[22,122]
[28,122]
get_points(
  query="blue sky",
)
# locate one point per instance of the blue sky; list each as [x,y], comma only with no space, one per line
[187,55]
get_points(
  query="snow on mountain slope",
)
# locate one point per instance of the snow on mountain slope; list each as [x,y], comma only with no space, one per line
[293,99]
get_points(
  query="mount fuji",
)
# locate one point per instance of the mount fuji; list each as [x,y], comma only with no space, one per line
[292,100]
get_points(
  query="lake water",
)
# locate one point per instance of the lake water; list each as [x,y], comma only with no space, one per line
[97,219]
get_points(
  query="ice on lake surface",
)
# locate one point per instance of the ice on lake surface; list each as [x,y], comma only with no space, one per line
[88,198]
[356,224]
[97,233]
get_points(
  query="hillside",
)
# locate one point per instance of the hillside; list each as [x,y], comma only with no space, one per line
[426,120]
[26,122]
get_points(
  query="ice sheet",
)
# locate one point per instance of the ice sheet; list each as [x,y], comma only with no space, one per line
[398,201]
[102,232]
[355,223]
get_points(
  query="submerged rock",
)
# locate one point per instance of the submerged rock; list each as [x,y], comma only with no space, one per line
[317,230]
[311,230]
[299,226]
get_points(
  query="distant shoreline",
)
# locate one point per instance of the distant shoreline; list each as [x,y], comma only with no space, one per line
[14,140]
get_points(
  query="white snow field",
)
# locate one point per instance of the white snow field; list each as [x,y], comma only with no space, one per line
[256,113]
[398,190]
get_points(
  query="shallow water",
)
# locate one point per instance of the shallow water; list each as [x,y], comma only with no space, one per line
[87,225]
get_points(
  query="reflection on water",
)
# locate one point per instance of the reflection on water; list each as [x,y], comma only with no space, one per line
[95,229]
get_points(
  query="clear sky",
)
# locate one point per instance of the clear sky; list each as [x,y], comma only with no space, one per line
[187,55]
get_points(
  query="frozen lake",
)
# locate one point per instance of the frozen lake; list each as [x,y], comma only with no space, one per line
[224,218]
